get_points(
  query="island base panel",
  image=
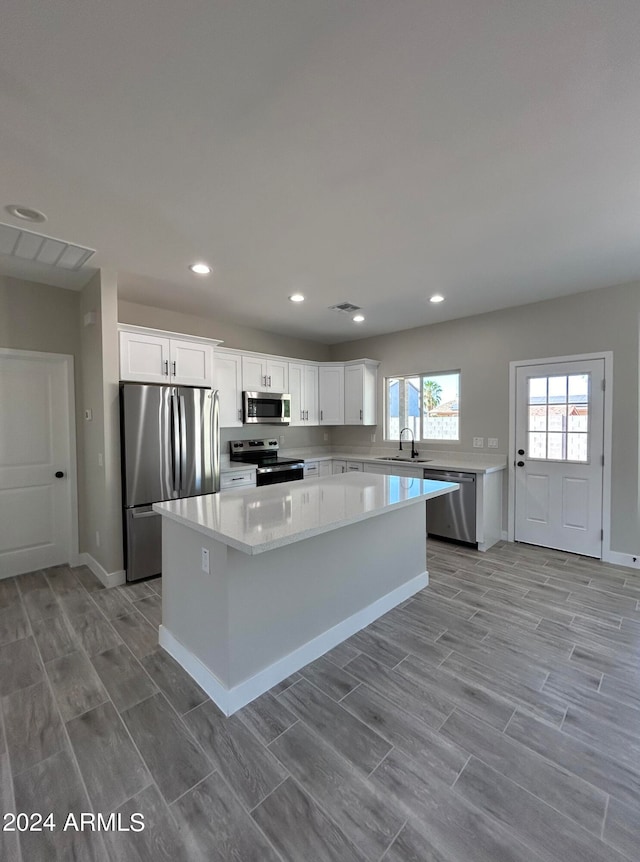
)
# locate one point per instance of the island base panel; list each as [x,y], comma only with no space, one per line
[255,619]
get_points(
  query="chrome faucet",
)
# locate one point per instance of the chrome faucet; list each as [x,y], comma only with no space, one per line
[414,452]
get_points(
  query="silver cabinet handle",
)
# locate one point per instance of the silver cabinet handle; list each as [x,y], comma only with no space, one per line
[174,368]
[238,479]
[322,414]
[240,413]
[269,380]
[166,368]
[306,416]
[361,415]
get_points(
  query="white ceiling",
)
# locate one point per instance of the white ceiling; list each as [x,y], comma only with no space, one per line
[374,151]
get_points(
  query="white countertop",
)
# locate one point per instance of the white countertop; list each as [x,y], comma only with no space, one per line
[255,520]
[464,462]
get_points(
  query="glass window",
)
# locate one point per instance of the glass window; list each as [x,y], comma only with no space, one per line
[427,404]
[559,417]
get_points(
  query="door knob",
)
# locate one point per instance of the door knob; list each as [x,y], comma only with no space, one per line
[59,474]
[520,451]
[520,463]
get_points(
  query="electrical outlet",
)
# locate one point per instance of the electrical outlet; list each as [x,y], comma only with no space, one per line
[478,442]
[88,414]
[326,436]
[282,439]
[205,560]
[373,436]
[97,538]
[100,460]
[492,442]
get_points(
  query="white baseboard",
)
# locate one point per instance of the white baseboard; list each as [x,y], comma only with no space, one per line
[229,700]
[617,558]
[108,579]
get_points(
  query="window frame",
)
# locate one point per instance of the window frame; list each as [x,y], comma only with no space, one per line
[423,376]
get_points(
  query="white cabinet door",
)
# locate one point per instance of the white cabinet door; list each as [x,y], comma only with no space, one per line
[278,375]
[360,383]
[331,400]
[339,466]
[296,390]
[227,380]
[380,469]
[310,389]
[254,373]
[325,468]
[353,394]
[190,363]
[144,358]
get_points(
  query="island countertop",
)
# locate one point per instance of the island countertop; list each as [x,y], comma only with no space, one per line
[255,520]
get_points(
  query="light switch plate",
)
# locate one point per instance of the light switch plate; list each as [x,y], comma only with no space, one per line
[478,442]
[492,442]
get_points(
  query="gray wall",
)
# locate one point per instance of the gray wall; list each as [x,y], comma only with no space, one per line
[482,348]
[102,509]
[233,335]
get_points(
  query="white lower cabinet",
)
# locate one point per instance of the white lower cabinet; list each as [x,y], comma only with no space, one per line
[237,479]
[380,469]
[316,468]
[311,469]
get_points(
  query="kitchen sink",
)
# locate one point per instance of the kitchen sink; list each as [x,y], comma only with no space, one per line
[405,460]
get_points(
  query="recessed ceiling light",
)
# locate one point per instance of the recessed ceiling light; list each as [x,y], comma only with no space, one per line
[200,268]
[358,318]
[296,297]
[437,297]
[25,213]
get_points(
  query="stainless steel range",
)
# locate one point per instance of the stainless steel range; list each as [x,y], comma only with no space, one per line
[271,469]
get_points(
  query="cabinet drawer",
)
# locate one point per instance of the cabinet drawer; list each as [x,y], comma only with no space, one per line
[354,466]
[311,469]
[238,479]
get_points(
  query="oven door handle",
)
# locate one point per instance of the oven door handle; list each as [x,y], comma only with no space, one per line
[281,468]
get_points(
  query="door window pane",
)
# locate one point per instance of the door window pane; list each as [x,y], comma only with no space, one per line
[578,388]
[538,418]
[555,447]
[558,415]
[577,447]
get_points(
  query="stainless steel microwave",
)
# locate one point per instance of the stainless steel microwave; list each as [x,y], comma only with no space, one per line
[266,408]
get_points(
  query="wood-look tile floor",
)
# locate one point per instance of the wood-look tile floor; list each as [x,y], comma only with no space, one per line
[495,716]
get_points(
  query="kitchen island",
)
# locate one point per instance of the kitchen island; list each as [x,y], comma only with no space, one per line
[293,570]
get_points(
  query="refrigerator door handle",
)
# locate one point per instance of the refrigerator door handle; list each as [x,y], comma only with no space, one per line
[175,441]
[215,427]
[183,439]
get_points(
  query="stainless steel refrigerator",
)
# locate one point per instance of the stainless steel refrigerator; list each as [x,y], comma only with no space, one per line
[170,440]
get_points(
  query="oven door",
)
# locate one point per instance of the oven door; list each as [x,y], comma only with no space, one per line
[279,473]
[266,408]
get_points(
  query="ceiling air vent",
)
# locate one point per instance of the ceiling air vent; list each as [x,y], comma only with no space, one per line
[27,245]
[345,307]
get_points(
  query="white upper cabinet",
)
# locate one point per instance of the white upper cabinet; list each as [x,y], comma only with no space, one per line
[360,383]
[191,363]
[227,377]
[156,357]
[303,388]
[260,373]
[331,394]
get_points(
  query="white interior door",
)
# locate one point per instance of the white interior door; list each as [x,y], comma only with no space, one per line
[559,455]
[35,505]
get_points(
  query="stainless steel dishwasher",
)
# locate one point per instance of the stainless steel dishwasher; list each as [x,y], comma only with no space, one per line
[453,516]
